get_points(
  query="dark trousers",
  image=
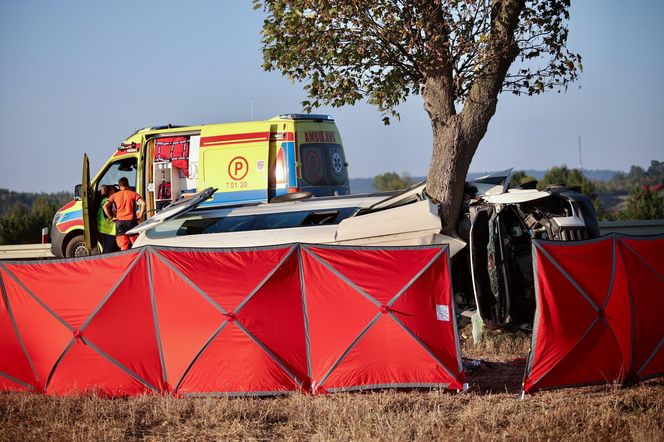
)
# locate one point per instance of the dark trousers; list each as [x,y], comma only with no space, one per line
[108,243]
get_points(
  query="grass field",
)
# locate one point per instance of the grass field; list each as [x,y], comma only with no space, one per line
[489,410]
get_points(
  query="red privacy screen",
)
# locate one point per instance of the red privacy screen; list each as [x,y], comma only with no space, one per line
[599,312]
[259,321]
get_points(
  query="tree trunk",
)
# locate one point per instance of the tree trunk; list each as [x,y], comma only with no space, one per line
[453,149]
[450,161]
[456,136]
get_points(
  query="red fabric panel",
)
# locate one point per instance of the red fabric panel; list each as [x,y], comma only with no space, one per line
[7,384]
[388,356]
[274,316]
[352,349]
[73,298]
[234,363]
[595,359]
[228,321]
[13,362]
[416,309]
[183,331]
[45,337]
[336,312]
[655,367]
[625,343]
[592,266]
[401,264]
[82,369]
[649,249]
[644,263]
[227,277]
[124,327]
[563,317]
[618,312]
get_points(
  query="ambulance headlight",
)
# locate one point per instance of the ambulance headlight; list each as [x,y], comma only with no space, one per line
[58,217]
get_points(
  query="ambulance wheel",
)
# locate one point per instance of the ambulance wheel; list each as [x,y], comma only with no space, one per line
[291,197]
[76,247]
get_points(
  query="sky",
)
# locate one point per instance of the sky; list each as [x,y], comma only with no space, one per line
[79,76]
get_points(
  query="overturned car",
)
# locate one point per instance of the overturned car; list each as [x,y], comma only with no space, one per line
[491,251]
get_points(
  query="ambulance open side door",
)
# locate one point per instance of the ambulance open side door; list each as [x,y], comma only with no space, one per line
[88,206]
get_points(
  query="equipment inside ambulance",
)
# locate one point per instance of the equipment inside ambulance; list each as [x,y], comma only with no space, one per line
[288,157]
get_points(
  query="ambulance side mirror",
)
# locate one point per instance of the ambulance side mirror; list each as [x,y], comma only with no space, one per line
[78,191]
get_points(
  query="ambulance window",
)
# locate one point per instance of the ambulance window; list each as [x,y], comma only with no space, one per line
[337,165]
[323,165]
[313,165]
[121,168]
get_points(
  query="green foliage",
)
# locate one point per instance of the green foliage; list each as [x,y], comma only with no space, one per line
[642,205]
[386,50]
[23,215]
[567,177]
[519,177]
[392,181]
[636,177]
[10,200]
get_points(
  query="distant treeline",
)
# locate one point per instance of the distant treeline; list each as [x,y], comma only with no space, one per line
[636,177]
[12,202]
[605,181]
[24,214]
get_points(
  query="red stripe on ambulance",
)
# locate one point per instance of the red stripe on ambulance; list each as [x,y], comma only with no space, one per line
[63,227]
[235,139]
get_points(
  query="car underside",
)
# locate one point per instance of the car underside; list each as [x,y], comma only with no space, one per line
[494,273]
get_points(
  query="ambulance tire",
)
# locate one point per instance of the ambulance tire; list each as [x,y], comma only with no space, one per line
[291,197]
[76,247]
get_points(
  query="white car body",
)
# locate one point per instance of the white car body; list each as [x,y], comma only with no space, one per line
[408,218]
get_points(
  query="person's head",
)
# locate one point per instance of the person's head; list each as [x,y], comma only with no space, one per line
[107,190]
[123,183]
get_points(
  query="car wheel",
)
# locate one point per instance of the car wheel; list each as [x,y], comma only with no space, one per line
[291,197]
[76,247]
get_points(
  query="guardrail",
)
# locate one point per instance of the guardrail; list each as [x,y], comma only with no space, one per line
[26,251]
[644,227]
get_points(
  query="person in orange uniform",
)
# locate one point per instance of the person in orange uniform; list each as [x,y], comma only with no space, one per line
[125,218]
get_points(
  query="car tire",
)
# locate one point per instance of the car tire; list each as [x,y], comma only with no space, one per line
[291,197]
[76,247]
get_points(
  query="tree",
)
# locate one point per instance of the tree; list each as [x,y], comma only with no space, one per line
[573,178]
[392,181]
[23,226]
[643,204]
[655,172]
[519,177]
[567,177]
[457,54]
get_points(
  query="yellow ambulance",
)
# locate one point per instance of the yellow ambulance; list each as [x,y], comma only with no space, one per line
[288,156]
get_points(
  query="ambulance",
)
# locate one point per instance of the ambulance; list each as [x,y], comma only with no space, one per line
[285,158]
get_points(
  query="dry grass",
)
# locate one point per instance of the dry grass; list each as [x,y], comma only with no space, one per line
[498,345]
[491,410]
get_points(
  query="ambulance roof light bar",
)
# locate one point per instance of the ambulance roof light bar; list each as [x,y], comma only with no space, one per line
[307,117]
